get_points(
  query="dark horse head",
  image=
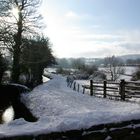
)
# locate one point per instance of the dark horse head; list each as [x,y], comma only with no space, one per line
[10,96]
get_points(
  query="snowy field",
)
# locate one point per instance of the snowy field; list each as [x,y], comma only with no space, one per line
[59,108]
[129,70]
[127,75]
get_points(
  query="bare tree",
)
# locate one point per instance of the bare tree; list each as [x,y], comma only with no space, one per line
[114,67]
[17,19]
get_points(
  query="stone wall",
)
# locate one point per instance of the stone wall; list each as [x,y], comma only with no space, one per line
[128,130]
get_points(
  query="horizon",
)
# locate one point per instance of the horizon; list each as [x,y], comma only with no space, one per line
[127,55]
[95,28]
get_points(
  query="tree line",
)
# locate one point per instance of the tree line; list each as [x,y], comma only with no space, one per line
[20,35]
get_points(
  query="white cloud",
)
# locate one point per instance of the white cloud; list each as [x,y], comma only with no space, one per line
[95,26]
[71,15]
[74,40]
[77,43]
[131,36]
[99,37]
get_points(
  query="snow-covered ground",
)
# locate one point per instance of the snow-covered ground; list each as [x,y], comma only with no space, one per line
[59,108]
[45,79]
[129,70]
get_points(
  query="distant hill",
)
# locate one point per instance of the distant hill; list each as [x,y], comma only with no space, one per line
[130,56]
[65,62]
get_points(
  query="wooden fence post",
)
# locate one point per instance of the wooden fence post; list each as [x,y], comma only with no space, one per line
[83,90]
[91,87]
[122,89]
[105,82]
[74,86]
[78,88]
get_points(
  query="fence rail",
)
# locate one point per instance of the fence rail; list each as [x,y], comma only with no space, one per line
[122,90]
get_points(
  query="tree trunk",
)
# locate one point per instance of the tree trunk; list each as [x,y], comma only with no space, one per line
[17,51]
[1,75]
[40,79]
[16,66]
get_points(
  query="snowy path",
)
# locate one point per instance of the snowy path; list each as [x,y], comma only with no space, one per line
[59,109]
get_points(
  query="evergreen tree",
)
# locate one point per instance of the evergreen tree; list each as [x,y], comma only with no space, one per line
[36,56]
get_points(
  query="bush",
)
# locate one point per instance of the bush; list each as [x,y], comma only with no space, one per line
[60,70]
[136,75]
[81,76]
[98,76]
[91,69]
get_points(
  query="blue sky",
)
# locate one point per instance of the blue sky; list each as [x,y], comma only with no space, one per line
[92,28]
